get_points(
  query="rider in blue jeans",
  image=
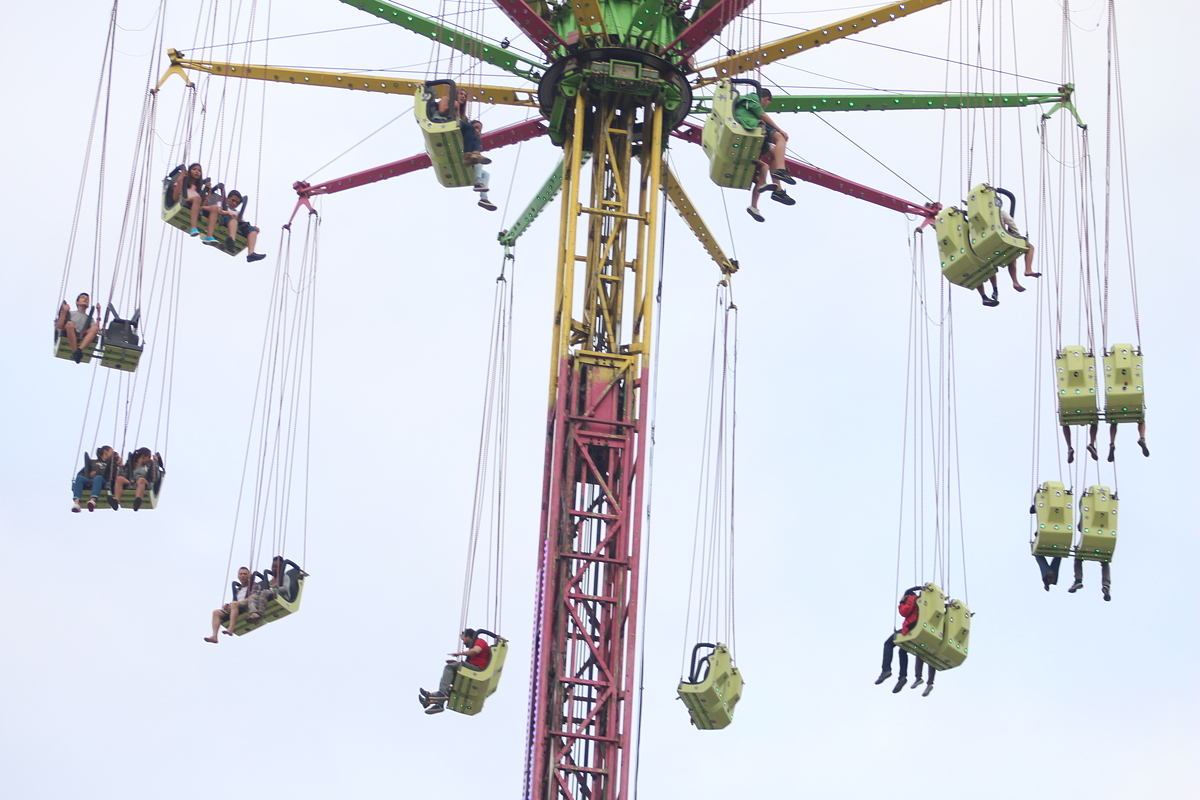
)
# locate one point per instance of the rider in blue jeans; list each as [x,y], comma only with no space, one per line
[98,473]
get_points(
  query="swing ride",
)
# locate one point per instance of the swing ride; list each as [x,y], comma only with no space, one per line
[615,81]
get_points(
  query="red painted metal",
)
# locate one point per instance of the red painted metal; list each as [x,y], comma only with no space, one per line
[713,22]
[533,26]
[501,137]
[585,632]
[693,133]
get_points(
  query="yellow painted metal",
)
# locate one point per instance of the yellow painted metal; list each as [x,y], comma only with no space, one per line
[774,51]
[472,687]
[177,215]
[992,242]
[493,95]
[443,143]
[956,637]
[733,152]
[1124,391]
[62,347]
[926,636]
[691,216]
[1097,524]
[277,608]
[1055,508]
[711,702]
[960,265]
[590,18]
[1075,372]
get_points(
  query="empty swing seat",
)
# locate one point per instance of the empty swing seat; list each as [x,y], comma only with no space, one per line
[1124,395]
[714,689]
[1097,525]
[177,215]
[1054,506]
[733,151]
[991,242]
[960,265]
[472,687]
[119,344]
[281,605]
[927,635]
[443,138]
[1075,372]
[955,638]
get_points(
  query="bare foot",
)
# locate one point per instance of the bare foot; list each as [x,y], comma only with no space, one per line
[227,632]
[254,617]
[1018,287]
[210,639]
[1033,274]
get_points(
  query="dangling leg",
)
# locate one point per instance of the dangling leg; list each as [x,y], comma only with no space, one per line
[217,618]
[1070,450]
[1029,262]
[1142,438]
[917,673]
[1078,584]
[1106,580]
[137,495]
[234,608]
[1012,273]
[903,671]
[1049,570]
[1091,448]
[929,688]
[1112,442]
[889,645]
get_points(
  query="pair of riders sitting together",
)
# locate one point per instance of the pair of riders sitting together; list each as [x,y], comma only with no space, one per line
[197,193]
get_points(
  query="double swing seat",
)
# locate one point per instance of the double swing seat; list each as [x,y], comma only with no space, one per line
[281,605]
[177,215]
[733,151]
[974,245]
[713,689]
[443,137]
[472,687]
[941,637]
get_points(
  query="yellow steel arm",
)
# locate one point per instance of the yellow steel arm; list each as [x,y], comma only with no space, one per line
[774,51]
[692,217]
[496,95]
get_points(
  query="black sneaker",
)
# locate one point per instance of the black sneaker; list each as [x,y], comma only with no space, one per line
[899,685]
[434,708]
[1075,587]
[1107,596]
[755,213]
[783,175]
[77,356]
[780,196]
[137,503]
[991,302]
[256,257]
[883,676]
[113,504]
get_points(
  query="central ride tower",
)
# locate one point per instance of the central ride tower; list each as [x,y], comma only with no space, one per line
[611,100]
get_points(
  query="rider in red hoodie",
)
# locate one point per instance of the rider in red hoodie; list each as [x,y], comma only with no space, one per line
[908,609]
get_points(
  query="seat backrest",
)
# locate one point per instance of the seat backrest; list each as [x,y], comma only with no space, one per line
[1055,508]
[290,584]
[1075,373]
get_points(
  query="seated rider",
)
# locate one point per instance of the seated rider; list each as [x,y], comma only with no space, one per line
[908,609]
[750,111]
[1010,226]
[74,324]
[230,211]
[477,656]
[457,110]
[97,473]
[143,472]
[243,590]
[193,188]
[279,584]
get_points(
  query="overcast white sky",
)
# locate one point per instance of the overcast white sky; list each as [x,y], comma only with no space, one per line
[106,688]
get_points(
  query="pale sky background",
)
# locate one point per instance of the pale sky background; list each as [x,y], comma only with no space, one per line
[108,690]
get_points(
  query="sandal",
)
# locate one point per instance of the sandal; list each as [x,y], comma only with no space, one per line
[1142,444]
[1091,448]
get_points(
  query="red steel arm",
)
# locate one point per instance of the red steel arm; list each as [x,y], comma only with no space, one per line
[705,28]
[691,132]
[500,137]
[533,26]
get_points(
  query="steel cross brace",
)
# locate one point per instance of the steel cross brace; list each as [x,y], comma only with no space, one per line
[709,25]
[899,102]
[691,132]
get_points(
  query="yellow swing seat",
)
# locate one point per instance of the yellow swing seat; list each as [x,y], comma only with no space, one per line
[472,687]
[1054,506]
[1097,525]
[177,215]
[443,138]
[149,497]
[959,263]
[991,242]
[711,699]
[955,638]
[1124,393]
[1075,372]
[62,348]
[733,151]
[277,608]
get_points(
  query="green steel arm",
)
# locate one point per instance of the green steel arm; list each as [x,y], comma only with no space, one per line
[452,37]
[543,197]
[884,102]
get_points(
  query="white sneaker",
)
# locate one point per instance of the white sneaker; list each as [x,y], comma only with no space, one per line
[91,504]
[75,509]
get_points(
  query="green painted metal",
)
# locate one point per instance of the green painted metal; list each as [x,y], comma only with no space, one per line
[926,636]
[443,143]
[62,347]
[277,608]
[633,23]
[991,241]
[472,687]
[1075,371]
[1124,390]
[732,151]
[711,702]
[960,265]
[646,20]
[1055,508]
[899,102]
[1097,525]
[452,37]
[548,192]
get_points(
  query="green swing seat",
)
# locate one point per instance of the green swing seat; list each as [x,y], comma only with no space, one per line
[177,215]
[149,497]
[277,607]
[1075,371]
[1124,395]
[991,241]
[472,687]
[733,151]
[1054,506]
[1097,525]
[443,138]
[711,699]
